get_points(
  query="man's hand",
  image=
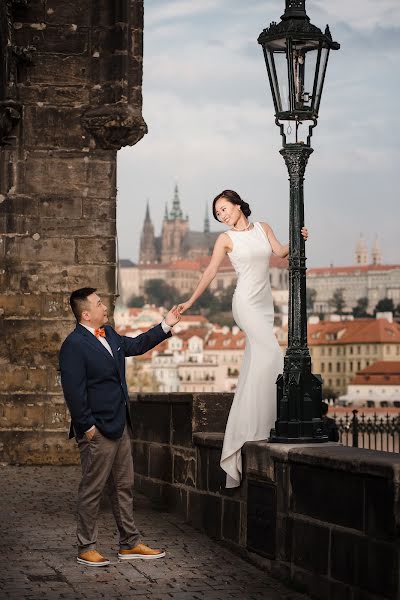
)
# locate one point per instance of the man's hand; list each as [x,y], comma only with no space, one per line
[90,434]
[172,317]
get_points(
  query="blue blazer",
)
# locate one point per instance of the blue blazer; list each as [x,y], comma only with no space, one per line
[94,382]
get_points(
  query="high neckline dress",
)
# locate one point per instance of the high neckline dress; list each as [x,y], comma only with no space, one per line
[253,410]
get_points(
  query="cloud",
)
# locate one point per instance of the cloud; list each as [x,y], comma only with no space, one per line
[209,110]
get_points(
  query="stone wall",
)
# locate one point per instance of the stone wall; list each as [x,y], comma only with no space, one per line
[324,517]
[70,97]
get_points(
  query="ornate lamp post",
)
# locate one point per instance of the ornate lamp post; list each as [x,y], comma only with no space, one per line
[296,54]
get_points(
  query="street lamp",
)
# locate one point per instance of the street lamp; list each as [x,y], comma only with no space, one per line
[296,54]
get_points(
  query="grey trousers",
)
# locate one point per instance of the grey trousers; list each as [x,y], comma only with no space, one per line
[106,464]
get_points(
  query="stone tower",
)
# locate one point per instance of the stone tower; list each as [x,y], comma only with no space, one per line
[361,252]
[175,227]
[376,257]
[147,252]
[70,97]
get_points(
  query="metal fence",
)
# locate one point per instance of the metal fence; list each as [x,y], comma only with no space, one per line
[374,433]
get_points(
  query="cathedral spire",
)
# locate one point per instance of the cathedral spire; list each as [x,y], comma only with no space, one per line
[147,217]
[166,217]
[206,222]
[176,212]
[361,252]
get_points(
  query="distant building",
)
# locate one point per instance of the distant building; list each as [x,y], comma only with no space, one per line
[376,386]
[368,278]
[339,349]
[176,241]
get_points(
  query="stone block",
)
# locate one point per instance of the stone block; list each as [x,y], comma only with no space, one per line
[54,39]
[102,208]
[184,467]
[284,536]
[141,458]
[310,547]
[328,495]
[110,40]
[31,278]
[67,12]
[19,204]
[95,251]
[151,421]
[160,463]
[175,499]
[31,12]
[261,518]
[45,127]
[80,176]
[22,378]
[349,553]
[57,249]
[381,570]
[231,520]
[182,424]
[380,508]
[60,206]
[202,468]
[216,476]
[210,412]
[21,305]
[38,448]
[282,479]
[204,513]
[59,70]
[54,95]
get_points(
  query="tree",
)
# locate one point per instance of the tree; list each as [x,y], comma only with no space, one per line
[384,305]
[337,301]
[225,298]
[360,310]
[311,296]
[160,293]
[136,302]
[328,393]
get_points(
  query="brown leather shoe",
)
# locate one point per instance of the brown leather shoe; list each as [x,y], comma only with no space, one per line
[92,558]
[140,551]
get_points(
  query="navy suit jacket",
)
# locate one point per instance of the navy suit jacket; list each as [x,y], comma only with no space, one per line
[94,382]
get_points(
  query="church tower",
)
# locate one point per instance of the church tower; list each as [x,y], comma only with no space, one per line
[147,241]
[376,253]
[361,252]
[175,227]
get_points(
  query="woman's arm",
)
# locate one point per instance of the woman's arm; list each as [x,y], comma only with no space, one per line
[279,249]
[221,247]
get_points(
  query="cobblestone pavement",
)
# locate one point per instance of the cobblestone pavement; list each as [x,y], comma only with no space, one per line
[38,557]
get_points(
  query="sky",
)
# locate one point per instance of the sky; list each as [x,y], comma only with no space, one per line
[208,107]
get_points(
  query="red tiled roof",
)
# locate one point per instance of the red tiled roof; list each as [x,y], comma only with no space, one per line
[353,270]
[379,373]
[359,331]
[225,341]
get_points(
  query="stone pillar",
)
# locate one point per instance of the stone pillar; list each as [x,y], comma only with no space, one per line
[71,97]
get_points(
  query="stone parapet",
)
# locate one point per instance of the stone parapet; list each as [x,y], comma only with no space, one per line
[324,517]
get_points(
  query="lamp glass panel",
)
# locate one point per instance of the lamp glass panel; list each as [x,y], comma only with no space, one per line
[321,77]
[273,80]
[281,67]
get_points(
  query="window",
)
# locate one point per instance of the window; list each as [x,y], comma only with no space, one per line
[358,365]
[351,349]
[322,367]
[351,365]
[338,367]
[329,351]
[330,367]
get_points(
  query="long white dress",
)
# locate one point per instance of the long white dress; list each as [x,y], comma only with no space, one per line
[253,410]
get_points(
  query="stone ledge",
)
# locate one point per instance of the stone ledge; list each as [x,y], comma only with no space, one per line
[212,440]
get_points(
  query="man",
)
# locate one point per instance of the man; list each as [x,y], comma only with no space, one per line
[92,364]
[329,426]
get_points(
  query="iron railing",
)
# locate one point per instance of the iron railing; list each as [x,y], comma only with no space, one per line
[374,433]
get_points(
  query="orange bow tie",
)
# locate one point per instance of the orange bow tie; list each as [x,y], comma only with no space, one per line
[99,333]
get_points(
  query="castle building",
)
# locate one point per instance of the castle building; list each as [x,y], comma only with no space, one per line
[176,241]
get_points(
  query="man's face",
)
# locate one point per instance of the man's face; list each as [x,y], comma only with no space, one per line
[95,315]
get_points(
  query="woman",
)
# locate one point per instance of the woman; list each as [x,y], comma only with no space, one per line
[249,246]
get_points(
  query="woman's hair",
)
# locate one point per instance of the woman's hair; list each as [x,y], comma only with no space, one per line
[233,198]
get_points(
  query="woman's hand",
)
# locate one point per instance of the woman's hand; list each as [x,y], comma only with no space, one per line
[184,307]
[304,233]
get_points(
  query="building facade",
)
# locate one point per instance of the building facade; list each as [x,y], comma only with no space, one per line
[376,386]
[340,349]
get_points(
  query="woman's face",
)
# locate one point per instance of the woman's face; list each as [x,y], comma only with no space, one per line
[227,212]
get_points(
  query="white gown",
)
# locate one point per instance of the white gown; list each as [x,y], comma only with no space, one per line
[253,410]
